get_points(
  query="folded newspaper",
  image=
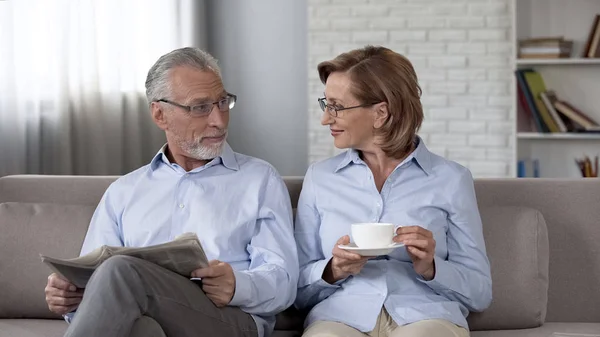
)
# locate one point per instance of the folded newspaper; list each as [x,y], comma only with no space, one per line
[182,255]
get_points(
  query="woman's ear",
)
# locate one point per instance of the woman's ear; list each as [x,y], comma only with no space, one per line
[381,114]
[158,115]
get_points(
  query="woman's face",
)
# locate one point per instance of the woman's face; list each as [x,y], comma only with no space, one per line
[352,128]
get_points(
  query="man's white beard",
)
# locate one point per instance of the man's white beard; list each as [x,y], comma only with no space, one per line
[196,150]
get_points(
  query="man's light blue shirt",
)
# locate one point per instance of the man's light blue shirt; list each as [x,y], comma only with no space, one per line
[240,209]
[425,190]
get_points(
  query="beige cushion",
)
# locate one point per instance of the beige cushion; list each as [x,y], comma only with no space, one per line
[29,230]
[517,246]
[32,328]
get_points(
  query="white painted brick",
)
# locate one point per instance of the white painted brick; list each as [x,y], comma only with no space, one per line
[488,8]
[399,9]
[447,35]
[349,23]
[319,24]
[418,62]
[372,10]
[320,49]
[466,126]
[470,48]
[505,127]
[439,150]
[486,140]
[431,126]
[426,48]
[499,154]
[399,48]
[318,2]
[339,48]
[371,37]
[425,22]
[447,62]
[500,100]
[448,88]
[447,113]
[332,11]
[408,35]
[488,87]
[431,74]
[434,100]
[467,74]
[448,139]
[500,74]
[500,48]
[466,22]
[498,21]
[488,34]
[393,22]
[488,169]
[469,101]
[466,153]
[331,37]
[449,8]
[489,61]
[489,114]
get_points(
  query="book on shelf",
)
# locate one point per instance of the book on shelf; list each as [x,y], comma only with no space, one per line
[592,45]
[546,110]
[182,255]
[528,168]
[545,47]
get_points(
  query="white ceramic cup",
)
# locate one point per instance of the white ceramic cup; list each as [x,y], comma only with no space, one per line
[372,234]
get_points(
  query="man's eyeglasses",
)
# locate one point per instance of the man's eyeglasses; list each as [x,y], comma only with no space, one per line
[333,110]
[203,110]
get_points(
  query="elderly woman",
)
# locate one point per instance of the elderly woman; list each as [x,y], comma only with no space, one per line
[428,285]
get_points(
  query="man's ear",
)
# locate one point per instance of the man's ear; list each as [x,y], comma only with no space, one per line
[381,114]
[158,115]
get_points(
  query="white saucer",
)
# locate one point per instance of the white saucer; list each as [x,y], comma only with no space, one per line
[370,251]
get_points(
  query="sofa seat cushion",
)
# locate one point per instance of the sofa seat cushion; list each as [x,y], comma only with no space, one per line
[32,327]
[28,230]
[517,246]
[547,330]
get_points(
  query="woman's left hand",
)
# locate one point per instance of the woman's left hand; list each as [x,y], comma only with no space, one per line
[420,246]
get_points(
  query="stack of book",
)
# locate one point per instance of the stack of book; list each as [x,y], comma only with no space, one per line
[546,110]
[592,46]
[545,47]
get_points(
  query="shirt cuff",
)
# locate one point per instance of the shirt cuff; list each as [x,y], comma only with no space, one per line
[316,276]
[69,317]
[243,289]
[440,279]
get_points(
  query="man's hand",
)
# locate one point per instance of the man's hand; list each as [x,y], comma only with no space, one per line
[218,282]
[420,246]
[62,297]
[343,263]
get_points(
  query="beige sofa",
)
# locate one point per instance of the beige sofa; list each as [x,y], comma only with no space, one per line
[543,241]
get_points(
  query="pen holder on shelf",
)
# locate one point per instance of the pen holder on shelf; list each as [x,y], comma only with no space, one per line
[587,168]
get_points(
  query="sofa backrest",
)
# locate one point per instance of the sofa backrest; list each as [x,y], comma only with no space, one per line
[570,209]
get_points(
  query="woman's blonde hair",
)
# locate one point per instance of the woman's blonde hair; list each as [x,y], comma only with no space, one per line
[379,74]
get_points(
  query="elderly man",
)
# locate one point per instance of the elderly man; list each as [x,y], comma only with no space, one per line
[238,206]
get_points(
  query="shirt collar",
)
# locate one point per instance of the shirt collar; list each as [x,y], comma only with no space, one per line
[227,158]
[420,155]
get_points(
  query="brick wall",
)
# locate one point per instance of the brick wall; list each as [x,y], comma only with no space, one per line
[461,51]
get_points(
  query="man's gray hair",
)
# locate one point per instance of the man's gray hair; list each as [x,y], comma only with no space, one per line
[157,82]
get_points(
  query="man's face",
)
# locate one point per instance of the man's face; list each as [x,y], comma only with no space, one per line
[200,138]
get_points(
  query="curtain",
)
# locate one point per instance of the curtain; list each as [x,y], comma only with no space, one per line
[72,73]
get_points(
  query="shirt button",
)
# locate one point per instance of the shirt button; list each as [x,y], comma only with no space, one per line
[181,205]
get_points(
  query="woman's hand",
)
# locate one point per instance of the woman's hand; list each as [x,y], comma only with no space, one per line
[343,263]
[420,246]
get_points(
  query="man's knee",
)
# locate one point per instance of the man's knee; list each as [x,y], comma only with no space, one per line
[146,327]
[116,268]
